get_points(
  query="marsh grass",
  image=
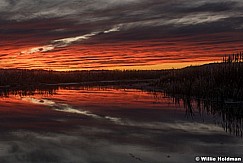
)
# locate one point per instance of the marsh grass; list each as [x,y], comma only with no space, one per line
[217,81]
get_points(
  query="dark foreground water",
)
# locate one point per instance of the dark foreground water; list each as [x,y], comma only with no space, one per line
[95,125]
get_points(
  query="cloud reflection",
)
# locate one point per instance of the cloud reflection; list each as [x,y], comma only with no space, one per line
[69,109]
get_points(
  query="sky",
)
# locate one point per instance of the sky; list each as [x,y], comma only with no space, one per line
[118,34]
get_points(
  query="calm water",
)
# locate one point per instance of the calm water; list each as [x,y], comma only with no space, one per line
[91,125]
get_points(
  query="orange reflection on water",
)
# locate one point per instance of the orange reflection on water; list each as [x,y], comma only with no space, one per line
[16,113]
[112,98]
[73,105]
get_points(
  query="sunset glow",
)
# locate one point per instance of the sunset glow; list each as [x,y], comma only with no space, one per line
[112,34]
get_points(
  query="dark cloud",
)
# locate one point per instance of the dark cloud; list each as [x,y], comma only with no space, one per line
[210,6]
[131,13]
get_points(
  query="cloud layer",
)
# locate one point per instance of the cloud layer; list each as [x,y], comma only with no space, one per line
[109,34]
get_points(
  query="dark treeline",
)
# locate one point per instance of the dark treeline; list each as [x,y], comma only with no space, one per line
[217,81]
[20,77]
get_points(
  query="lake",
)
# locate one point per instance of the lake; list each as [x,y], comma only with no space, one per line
[113,125]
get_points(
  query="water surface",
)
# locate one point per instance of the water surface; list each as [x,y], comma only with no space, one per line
[107,124]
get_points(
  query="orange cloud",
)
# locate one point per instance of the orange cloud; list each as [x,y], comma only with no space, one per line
[141,54]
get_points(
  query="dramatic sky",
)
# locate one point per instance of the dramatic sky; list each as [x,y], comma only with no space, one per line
[117,34]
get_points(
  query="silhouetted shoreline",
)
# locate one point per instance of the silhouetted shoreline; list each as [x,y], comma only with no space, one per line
[217,81]
[20,77]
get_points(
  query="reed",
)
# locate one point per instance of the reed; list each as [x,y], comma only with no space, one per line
[216,81]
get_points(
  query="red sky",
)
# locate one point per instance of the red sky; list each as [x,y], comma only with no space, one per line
[110,34]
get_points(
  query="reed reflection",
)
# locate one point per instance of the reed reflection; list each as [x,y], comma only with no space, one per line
[27,91]
[228,114]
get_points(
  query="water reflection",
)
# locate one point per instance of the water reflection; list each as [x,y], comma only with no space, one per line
[109,124]
[228,114]
[28,90]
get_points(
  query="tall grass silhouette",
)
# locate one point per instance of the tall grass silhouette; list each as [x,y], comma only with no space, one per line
[216,81]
